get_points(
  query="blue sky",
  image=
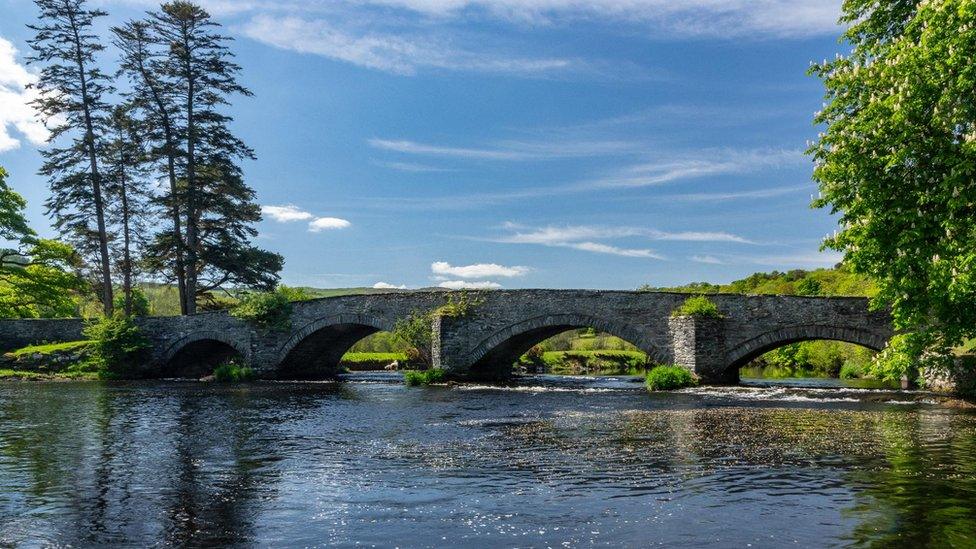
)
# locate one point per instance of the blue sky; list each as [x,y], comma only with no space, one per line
[511,143]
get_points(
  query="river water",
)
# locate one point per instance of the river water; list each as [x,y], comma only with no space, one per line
[549,462]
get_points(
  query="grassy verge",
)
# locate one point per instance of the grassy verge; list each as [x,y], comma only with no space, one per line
[371,361]
[588,362]
[79,374]
[48,349]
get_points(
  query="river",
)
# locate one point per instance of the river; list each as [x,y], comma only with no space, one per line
[549,462]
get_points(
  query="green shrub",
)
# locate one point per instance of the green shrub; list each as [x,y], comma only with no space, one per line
[424,377]
[699,306]
[668,378]
[118,346]
[853,369]
[233,372]
[271,310]
[140,302]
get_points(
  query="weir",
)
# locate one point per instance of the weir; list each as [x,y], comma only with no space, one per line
[502,326]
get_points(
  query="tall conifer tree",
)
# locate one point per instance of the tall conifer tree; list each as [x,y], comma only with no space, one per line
[71,102]
[142,61]
[217,205]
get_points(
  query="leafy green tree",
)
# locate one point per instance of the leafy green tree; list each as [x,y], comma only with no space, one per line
[38,277]
[71,89]
[897,161]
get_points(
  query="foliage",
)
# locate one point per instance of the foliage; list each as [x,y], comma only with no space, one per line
[853,370]
[596,362]
[459,305]
[839,281]
[233,372]
[417,328]
[118,345]
[699,306]
[140,305]
[71,88]
[128,189]
[37,276]
[270,310]
[669,378]
[429,376]
[897,161]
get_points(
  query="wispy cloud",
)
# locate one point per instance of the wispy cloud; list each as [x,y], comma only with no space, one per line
[399,53]
[707,259]
[511,150]
[469,285]
[286,213]
[320,224]
[478,270]
[15,97]
[593,239]
[670,17]
[738,195]
[413,167]
[697,164]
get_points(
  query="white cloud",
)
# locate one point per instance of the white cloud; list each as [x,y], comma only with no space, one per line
[599,248]
[285,214]
[568,233]
[468,285]
[320,224]
[388,286]
[15,110]
[402,53]
[707,259]
[479,270]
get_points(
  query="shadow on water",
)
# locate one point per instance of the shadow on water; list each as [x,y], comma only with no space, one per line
[543,461]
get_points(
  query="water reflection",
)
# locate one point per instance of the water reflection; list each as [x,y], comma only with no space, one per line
[548,462]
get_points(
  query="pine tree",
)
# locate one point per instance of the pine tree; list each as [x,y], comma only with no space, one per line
[126,184]
[142,62]
[71,89]
[217,205]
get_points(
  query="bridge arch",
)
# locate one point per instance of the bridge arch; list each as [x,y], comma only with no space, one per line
[315,350]
[744,352]
[197,353]
[496,353]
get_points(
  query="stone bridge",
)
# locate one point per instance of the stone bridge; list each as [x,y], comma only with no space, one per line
[501,327]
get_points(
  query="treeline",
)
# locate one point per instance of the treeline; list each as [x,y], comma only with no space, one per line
[144,170]
[838,281]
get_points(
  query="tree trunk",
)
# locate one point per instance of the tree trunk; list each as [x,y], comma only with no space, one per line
[107,298]
[126,242]
[191,207]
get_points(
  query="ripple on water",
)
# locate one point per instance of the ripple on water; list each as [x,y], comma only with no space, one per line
[538,464]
